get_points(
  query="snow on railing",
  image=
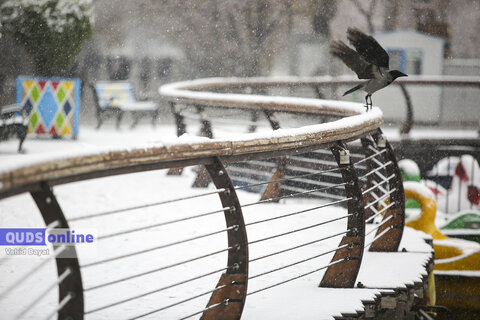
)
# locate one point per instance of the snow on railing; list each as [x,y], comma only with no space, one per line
[199,91]
[345,190]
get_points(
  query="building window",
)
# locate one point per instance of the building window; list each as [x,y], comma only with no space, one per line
[408,61]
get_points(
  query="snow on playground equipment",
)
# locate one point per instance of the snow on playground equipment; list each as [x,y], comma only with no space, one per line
[457,261]
[455,182]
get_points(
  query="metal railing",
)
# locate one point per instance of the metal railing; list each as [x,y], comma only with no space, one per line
[361,192]
[321,87]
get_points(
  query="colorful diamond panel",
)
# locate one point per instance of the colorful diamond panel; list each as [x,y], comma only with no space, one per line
[52,105]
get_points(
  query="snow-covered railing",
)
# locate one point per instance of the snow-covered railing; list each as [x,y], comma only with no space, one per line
[312,161]
[200,91]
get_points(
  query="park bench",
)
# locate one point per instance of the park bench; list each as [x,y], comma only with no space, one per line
[115,98]
[13,123]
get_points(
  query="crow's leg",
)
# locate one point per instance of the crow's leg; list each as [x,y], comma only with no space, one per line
[368,104]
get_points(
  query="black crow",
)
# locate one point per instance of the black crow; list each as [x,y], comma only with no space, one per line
[369,61]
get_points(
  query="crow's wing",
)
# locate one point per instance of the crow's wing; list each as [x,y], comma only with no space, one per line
[352,59]
[368,47]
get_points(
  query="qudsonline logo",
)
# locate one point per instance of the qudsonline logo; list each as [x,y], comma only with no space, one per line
[43,242]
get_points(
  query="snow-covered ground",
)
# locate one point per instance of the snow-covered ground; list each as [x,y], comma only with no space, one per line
[300,298]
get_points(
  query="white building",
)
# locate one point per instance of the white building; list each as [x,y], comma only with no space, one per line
[413,53]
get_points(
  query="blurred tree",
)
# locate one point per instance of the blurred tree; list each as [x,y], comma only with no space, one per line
[52,31]
[241,38]
[367,13]
[228,37]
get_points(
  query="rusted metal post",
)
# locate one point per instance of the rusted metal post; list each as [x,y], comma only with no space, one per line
[318,92]
[206,129]
[274,188]
[272,119]
[344,274]
[181,129]
[71,285]
[408,124]
[203,180]
[254,119]
[396,213]
[179,119]
[231,297]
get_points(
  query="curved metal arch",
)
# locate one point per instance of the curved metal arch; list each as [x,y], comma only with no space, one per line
[394,218]
[344,274]
[230,299]
[71,287]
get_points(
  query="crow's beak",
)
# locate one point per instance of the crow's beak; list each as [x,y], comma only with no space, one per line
[401,74]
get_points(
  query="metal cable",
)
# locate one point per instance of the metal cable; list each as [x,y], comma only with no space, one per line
[357,155]
[315,191]
[179,302]
[62,304]
[52,225]
[248,171]
[313,160]
[28,274]
[287,178]
[296,247]
[213,306]
[383,197]
[379,225]
[100,214]
[42,295]
[373,149]
[302,169]
[162,288]
[302,192]
[323,151]
[297,277]
[157,269]
[377,213]
[158,247]
[299,212]
[383,166]
[378,236]
[262,163]
[161,224]
[320,183]
[377,153]
[378,184]
[295,263]
[290,232]
[251,182]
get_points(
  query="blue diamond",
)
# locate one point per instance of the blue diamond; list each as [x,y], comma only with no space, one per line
[67,108]
[47,107]
[28,107]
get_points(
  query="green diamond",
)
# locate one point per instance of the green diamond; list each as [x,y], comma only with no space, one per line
[61,95]
[35,94]
[34,120]
[59,120]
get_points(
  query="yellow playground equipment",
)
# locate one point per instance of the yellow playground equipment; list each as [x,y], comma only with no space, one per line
[457,261]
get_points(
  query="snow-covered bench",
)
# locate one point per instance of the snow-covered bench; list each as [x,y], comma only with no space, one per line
[116,98]
[13,124]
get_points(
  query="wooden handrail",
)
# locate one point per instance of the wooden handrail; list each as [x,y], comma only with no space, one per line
[188,91]
[67,168]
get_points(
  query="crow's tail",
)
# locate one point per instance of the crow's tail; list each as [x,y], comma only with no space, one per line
[353,89]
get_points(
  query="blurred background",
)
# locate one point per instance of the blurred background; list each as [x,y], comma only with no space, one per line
[152,42]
